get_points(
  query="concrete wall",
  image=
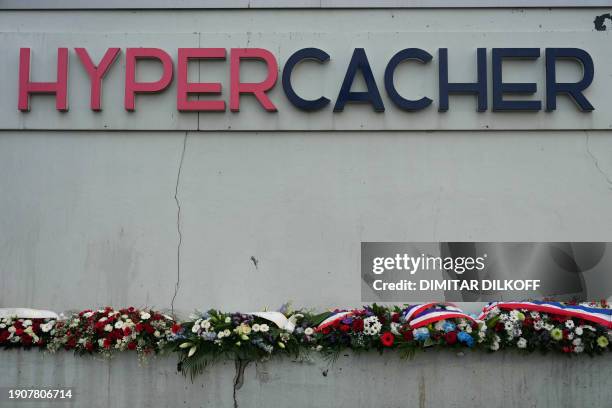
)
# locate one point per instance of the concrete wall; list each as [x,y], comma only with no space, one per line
[91,217]
[433,379]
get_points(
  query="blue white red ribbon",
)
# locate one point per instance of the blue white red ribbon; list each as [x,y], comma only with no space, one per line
[593,314]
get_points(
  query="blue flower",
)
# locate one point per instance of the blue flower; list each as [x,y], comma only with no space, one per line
[421,334]
[465,338]
[448,326]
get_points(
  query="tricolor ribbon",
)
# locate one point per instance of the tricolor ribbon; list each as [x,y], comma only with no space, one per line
[593,314]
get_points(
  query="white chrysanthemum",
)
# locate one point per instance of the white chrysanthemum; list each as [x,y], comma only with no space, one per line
[579,331]
[509,326]
[534,315]
[108,328]
[394,328]
[371,326]
[308,331]
[264,328]
[569,324]
[521,343]
[538,325]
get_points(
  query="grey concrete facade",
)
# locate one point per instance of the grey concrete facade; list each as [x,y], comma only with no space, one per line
[90,217]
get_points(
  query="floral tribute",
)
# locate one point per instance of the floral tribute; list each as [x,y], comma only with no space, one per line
[107,330]
[26,333]
[566,328]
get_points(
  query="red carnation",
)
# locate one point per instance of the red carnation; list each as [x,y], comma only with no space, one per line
[149,329]
[18,332]
[139,327]
[127,331]
[344,328]
[176,328]
[107,343]
[358,325]
[387,339]
[451,337]
[4,335]
[131,345]
[395,317]
[89,346]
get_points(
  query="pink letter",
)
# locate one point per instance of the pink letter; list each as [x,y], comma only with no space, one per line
[185,88]
[59,88]
[257,89]
[131,86]
[96,73]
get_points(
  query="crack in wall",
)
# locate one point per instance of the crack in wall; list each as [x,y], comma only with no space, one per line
[241,365]
[596,162]
[178,223]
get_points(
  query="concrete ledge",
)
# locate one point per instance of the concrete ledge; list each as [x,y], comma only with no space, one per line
[431,379]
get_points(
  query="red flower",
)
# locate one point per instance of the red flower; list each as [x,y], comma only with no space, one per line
[4,335]
[26,340]
[451,337]
[149,329]
[325,330]
[408,335]
[139,327]
[387,339]
[567,349]
[89,346]
[499,327]
[127,331]
[176,328]
[106,343]
[357,325]
[131,345]
[395,317]
[344,328]
[18,332]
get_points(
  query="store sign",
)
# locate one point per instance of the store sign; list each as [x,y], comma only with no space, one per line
[504,94]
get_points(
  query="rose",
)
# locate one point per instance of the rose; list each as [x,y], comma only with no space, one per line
[408,335]
[344,328]
[176,328]
[357,325]
[451,337]
[387,339]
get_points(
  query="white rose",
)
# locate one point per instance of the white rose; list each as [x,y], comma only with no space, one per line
[119,324]
[578,331]
[309,331]
[255,327]
[108,328]
[264,328]
[145,315]
[227,333]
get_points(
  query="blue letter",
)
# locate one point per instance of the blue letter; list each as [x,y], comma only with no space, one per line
[300,55]
[573,90]
[359,61]
[500,88]
[398,100]
[477,88]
